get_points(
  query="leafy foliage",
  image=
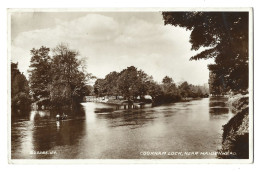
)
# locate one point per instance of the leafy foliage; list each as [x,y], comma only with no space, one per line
[225,36]
[20,97]
[132,83]
[39,74]
[58,81]
[67,85]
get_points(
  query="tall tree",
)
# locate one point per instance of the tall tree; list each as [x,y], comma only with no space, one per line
[154,90]
[225,36]
[142,83]
[185,90]
[130,83]
[111,86]
[168,85]
[100,87]
[167,80]
[20,97]
[127,82]
[68,82]
[39,74]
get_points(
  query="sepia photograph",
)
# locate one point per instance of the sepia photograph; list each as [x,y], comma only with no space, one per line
[166,85]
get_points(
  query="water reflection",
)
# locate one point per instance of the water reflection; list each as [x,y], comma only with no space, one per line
[218,108]
[58,125]
[37,115]
[216,103]
[218,111]
[97,130]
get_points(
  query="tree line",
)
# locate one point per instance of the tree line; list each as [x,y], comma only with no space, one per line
[132,83]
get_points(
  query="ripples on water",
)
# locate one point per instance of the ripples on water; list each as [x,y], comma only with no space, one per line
[104,131]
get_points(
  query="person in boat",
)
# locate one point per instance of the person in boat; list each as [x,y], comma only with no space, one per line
[64,116]
[58,117]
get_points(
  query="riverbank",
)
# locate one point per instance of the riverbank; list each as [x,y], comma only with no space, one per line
[236,131]
[146,101]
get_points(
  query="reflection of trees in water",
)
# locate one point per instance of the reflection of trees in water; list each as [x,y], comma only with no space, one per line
[16,135]
[218,107]
[17,114]
[218,111]
[219,104]
[39,115]
[129,117]
[27,114]
[76,111]
[220,98]
[48,133]
[49,136]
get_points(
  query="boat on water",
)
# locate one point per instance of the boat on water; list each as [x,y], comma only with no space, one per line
[61,117]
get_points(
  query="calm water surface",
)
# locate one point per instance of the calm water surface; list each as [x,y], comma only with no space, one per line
[105,131]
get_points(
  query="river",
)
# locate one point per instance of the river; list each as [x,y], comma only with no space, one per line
[102,131]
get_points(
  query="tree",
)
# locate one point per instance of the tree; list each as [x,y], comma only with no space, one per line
[225,36]
[142,83]
[39,74]
[168,85]
[185,89]
[111,84]
[167,80]
[154,90]
[20,97]
[100,87]
[199,93]
[170,91]
[108,85]
[127,82]
[217,85]
[60,80]
[68,82]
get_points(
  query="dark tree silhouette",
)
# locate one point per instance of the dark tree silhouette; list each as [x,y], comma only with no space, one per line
[225,36]
[68,82]
[20,97]
[39,74]
[60,80]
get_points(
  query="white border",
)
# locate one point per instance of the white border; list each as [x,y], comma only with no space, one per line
[136,161]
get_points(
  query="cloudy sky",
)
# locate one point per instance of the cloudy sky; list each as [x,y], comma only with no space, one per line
[111,41]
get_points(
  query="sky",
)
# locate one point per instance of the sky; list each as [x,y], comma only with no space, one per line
[110,41]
